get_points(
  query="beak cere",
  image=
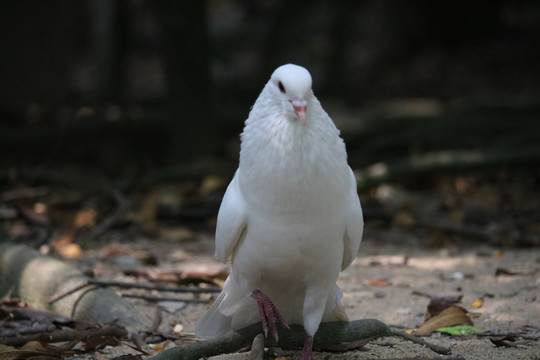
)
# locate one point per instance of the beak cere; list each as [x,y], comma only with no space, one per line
[300,107]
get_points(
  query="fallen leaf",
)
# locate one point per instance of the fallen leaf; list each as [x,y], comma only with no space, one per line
[98,342]
[70,251]
[435,307]
[477,304]
[451,315]
[36,350]
[461,330]
[379,282]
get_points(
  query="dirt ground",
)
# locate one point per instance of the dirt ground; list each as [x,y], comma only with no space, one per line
[392,280]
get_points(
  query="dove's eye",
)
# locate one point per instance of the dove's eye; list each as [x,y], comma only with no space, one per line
[281,87]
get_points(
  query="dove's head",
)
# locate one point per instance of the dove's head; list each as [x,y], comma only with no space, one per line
[291,85]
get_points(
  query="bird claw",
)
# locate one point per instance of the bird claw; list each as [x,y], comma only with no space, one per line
[307,352]
[269,314]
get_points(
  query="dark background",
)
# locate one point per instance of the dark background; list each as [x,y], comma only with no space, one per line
[118,89]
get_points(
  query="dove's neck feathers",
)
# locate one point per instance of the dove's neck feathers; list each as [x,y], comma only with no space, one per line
[282,160]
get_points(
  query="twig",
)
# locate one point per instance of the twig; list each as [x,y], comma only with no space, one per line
[179,289]
[66,335]
[127,285]
[60,296]
[533,337]
[163,298]
[178,277]
[438,349]
[328,335]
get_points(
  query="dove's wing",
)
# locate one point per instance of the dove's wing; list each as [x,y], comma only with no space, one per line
[231,222]
[354,225]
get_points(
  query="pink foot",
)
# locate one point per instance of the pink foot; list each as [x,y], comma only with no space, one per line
[307,351]
[269,314]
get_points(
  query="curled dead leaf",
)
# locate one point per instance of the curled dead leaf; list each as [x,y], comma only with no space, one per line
[451,315]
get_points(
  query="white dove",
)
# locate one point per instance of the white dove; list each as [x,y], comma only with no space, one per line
[290,219]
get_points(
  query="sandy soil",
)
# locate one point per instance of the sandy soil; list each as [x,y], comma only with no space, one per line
[409,274]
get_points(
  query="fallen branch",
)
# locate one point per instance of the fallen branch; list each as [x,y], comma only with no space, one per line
[163,298]
[157,287]
[328,336]
[331,336]
[129,285]
[438,349]
[66,335]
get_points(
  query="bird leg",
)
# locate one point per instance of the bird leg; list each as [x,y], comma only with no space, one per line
[269,314]
[307,351]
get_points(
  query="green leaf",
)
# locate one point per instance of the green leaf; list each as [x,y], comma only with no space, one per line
[461,330]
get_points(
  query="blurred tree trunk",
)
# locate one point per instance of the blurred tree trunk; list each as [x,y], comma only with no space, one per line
[108,36]
[185,54]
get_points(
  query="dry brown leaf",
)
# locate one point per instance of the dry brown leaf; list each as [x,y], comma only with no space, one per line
[212,183]
[85,218]
[70,251]
[379,282]
[32,349]
[98,342]
[450,316]
[435,307]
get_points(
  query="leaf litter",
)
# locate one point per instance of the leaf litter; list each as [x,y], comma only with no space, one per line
[463,226]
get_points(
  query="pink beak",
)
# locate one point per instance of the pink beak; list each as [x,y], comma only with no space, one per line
[300,107]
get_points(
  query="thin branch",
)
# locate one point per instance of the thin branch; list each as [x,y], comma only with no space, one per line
[328,335]
[66,335]
[162,298]
[438,349]
[179,289]
[128,285]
